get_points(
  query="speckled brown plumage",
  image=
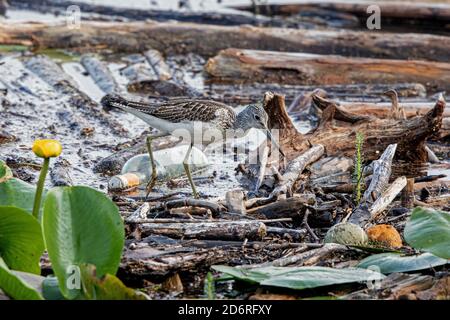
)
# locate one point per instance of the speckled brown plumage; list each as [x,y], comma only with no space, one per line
[180,110]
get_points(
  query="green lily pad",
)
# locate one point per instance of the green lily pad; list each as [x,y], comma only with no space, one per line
[21,241]
[300,277]
[17,193]
[81,226]
[429,230]
[15,285]
[393,262]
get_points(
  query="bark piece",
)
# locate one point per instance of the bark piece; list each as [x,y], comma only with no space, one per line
[408,194]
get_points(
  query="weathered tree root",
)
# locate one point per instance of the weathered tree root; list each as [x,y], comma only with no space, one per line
[337,131]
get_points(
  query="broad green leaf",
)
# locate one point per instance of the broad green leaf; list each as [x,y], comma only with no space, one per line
[15,286]
[301,277]
[17,193]
[429,230]
[5,172]
[21,241]
[249,275]
[109,287]
[81,226]
[393,262]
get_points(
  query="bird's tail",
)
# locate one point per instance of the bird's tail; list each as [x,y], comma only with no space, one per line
[140,110]
[112,100]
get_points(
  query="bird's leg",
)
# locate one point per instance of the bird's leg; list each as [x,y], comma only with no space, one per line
[152,180]
[188,171]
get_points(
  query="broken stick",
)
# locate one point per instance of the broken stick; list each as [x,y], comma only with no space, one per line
[233,230]
[294,170]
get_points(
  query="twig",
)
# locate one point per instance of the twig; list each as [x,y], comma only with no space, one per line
[306,225]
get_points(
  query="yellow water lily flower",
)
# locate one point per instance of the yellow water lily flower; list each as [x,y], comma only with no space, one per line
[47,148]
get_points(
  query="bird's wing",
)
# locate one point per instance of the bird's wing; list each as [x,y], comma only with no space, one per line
[191,110]
[178,110]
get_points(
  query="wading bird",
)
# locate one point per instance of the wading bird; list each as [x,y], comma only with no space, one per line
[190,114]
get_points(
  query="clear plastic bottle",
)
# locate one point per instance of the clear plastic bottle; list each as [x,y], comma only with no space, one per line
[169,164]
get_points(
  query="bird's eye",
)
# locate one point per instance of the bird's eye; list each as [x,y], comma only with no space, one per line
[257,117]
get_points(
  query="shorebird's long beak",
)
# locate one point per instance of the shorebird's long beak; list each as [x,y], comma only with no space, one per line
[274,142]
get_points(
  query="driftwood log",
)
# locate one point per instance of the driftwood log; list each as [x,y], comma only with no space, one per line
[389,9]
[232,230]
[238,65]
[384,110]
[381,172]
[172,38]
[148,261]
[290,207]
[378,194]
[231,17]
[100,73]
[338,137]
